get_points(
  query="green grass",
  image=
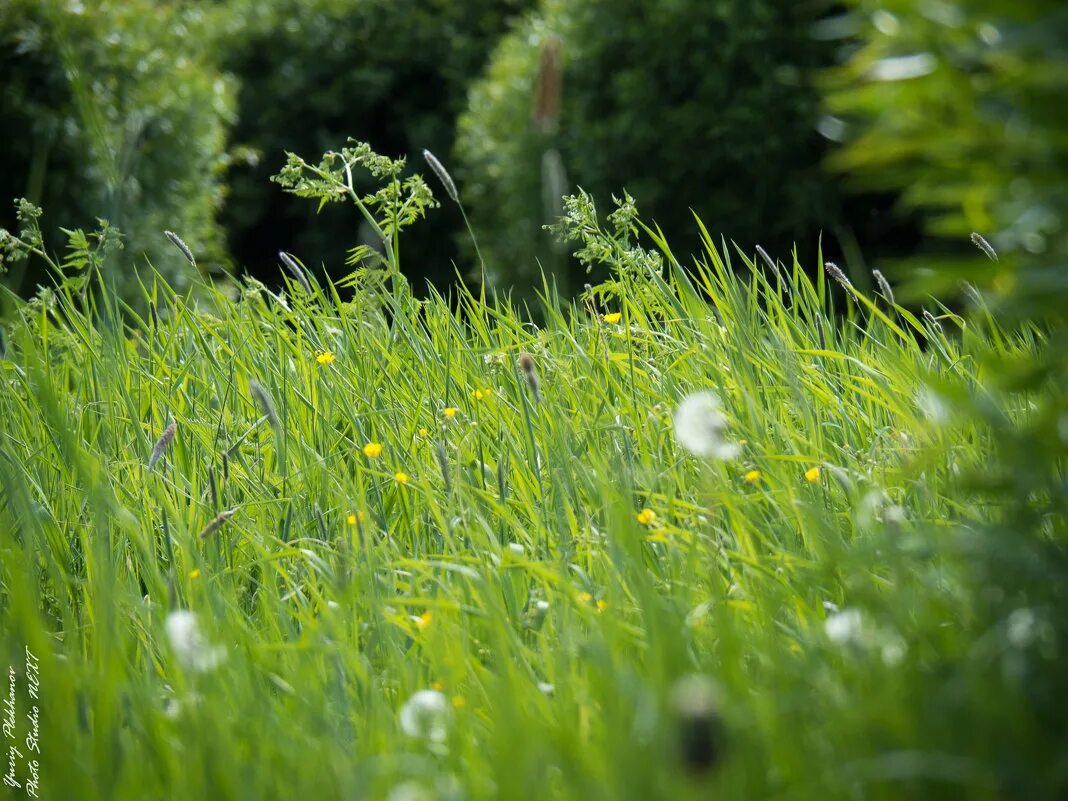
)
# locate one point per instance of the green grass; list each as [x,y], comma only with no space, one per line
[329,627]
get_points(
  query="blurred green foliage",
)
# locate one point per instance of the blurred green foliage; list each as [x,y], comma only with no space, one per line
[389,72]
[961,106]
[113,110]
[685,104]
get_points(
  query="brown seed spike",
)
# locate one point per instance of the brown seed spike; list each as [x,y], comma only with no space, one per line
[526,364]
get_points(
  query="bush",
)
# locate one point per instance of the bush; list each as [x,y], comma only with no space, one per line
[962,107]
[686,104]
[114,112]
[389,72]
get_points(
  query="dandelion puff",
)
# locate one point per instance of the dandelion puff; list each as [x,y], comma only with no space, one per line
[526,364]
[884,286]
[264,401]
[695,702]
[410,791]
[189,644]
[426,716]
[835,272]
[295,269]
[699,427]
[161,445]
[443,175]
[980,242]
[181,245]
[844,627]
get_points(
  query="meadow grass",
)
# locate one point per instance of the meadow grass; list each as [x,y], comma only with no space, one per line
[364,496]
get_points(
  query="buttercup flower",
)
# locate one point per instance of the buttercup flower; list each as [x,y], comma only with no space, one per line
[401,477]
[326,357]
[752,475]
[482,394]
[646,516]
[372,449]
[699,427]
[812,474]
[354,517]
[614,317]
[450,411]
[190,647]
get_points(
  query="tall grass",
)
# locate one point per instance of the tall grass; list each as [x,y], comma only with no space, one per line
[554,563]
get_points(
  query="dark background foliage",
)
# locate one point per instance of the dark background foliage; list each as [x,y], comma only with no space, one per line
[390,72]
[114,110]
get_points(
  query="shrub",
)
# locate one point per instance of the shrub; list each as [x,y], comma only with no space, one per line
[961,106]
[389,72]
[116,112]
[686,104]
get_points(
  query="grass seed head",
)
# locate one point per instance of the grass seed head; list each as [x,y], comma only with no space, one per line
[182,246]
[161,445]
[295,270]
[884,286]
[526,364]
[980,242]
[443,176]
[835,272]
[263,400]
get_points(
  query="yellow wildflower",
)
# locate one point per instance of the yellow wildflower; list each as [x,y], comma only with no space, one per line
[194,573]
[752,475]
[482,394]
[437,685]
[458,701]
[401,477]
[450,411]
[354,518]
[812,474]
[646,516]
[601,605]
[614,317]
[423,620]
[372,449]
[585,597]
[423,432]
[326,357]
[660,535]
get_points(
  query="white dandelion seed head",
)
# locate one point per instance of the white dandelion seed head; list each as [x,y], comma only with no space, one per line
[699,427]
[426,715]
[410,791]
[189,644]
[516,549]
[844,627]
[546,688]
